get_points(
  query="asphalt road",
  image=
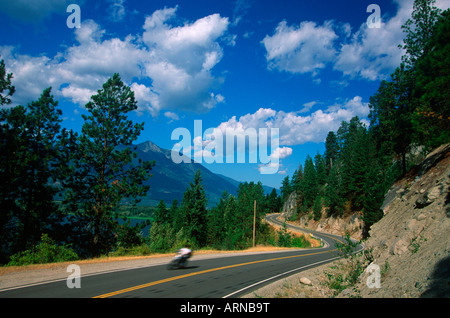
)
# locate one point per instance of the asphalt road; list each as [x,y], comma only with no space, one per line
[230,276]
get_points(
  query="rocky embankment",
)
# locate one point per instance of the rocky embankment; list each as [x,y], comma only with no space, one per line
[409,246]
[352,223]
[411,243]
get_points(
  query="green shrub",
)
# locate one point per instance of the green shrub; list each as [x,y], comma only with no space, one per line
[161,238]
[137,250]
[300,241]
[45,252]
[284,237]
[317,208]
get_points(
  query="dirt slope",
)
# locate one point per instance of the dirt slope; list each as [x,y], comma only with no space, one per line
[410,244]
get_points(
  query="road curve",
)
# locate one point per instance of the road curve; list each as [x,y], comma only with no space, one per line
[224,277]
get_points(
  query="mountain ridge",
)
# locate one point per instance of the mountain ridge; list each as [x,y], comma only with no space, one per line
[170,180]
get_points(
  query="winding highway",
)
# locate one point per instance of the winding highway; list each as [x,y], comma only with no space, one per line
[218,277]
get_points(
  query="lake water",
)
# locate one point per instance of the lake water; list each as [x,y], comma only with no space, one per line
[134,222]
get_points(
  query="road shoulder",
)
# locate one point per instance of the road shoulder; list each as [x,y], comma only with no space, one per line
[310,283]
[21,276]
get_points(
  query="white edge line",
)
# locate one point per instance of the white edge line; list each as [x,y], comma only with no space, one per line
[273,277]
[83,275]
[143,266]
[133,268]
[285,273]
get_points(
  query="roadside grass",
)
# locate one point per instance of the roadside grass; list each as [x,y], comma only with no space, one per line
[346,273]
[132,255]
[48,252]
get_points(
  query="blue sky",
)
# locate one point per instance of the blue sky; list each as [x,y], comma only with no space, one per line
[300,66]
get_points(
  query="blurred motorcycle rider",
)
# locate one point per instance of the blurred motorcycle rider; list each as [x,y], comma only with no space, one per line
[185,253]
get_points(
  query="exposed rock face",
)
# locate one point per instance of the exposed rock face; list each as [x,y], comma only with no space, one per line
[333,225]
[411,243]
[290,205]
[409,247]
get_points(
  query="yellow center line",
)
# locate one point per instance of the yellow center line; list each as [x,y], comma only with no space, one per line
[126,290]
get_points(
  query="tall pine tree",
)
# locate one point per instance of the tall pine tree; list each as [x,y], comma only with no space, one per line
[310,186]
[419,30]
[194,212]
[331,150]
[391,112]
[432,90]
[29,161]
[103,170]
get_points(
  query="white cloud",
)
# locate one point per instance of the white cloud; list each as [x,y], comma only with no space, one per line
[274,165]
[368,53]
[306,48]
[89,32]
[78,72]
[177,60]
[182,61]
[373,53]
[271,168]
[295,129]
[291,128]
[281,153]
[78,95]
[31,75]
[116,10]
[307,107]
[147,99]
[172,116]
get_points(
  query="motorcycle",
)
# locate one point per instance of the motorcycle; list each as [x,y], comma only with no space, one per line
[179,261]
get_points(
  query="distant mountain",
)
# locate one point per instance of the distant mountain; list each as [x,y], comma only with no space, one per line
[170,180]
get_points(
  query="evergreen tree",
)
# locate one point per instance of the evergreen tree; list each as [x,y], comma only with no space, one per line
[42,130]
[319,163]
[297,179]
[29,160]
[432,90]
[331,150]
[233,232]
[419,30]
[239,217]
[286,189]
[103,172]
[194,211]
[400,93]
[216,221]
[8,167]
[376,184]
[411,107]
[6,87]
[317,208]
[333,193]
[354,162]
[161,213]
[391,114]
[273,201]
[310,189]
[284,238]
[173,210]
